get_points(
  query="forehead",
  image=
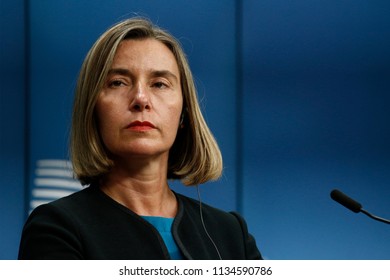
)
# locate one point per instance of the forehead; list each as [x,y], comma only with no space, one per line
[145,54]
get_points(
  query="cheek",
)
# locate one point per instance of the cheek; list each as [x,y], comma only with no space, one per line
[173,122]
[108,109]
[107,118]
[173,116]
[101,114]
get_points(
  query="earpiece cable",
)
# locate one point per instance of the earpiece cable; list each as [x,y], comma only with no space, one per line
[203,224]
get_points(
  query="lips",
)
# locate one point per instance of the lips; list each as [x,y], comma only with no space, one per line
[140,126]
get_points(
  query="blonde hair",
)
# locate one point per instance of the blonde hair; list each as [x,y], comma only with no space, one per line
[194,157]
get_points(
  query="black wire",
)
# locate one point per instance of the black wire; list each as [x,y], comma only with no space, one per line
[375,217]
[203,224]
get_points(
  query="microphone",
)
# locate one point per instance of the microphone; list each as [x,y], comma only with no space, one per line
[346,201]
[353,205]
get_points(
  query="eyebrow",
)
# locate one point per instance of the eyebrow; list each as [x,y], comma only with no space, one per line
[164,73]
[153,73]
[119,71]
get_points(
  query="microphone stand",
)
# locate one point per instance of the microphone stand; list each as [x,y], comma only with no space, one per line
[375,217]
[353,205]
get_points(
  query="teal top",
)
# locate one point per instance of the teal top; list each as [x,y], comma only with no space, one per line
[163,226]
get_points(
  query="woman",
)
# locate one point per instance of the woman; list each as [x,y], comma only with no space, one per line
[137,124]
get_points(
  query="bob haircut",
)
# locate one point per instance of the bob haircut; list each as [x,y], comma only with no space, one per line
[194,157]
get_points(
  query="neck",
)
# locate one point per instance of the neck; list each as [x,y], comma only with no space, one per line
[145,192]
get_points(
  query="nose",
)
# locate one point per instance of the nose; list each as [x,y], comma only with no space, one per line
[140,100]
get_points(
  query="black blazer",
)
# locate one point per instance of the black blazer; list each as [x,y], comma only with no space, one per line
[90,225]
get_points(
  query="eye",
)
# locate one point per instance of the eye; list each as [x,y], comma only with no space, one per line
[160,85]
[115,83]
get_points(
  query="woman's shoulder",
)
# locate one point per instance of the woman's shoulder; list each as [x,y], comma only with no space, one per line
[76,202]
[226,227]
[193,206]
[86,193]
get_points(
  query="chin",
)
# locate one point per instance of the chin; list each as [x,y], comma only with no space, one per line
[144,152]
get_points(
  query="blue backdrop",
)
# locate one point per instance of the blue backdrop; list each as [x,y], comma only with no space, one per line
[297,94]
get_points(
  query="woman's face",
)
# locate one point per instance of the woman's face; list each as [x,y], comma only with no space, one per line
[140,105]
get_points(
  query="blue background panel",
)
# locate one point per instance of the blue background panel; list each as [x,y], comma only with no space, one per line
[316,117]
[13,132]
